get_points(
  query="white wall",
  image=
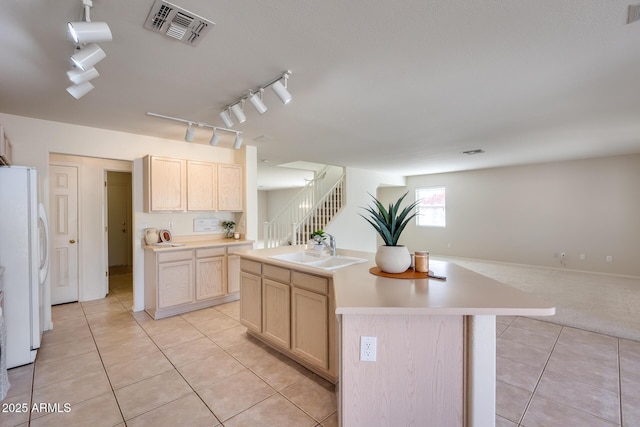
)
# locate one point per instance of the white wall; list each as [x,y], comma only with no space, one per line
[526,214]
[34,139]
[349,228]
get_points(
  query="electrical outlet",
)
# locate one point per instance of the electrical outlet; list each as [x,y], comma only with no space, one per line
[609,258]
[563,255]
[368,349]
[170,225]
[583,257]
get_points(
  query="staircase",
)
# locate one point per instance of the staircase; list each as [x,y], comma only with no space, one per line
[313,208]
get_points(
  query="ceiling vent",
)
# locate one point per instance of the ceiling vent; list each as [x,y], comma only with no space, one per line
[180,24]
[634,13]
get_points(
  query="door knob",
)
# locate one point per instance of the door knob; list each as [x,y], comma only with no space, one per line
[124,230]
[72,241]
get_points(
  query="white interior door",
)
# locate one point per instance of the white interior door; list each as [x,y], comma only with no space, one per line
[119,218]
[63,230]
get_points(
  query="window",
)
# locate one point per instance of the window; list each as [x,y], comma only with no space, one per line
[431,209]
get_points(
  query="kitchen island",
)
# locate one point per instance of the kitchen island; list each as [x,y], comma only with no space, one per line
[435,340]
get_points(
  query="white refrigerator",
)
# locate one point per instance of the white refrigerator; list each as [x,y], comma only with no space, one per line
[24,255]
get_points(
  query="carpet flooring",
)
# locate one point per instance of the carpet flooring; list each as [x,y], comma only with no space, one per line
[602,303]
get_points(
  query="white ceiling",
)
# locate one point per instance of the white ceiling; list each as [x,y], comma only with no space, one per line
[396,86]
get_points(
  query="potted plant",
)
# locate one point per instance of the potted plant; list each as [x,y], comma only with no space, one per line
[318,238]
[228,226]
[390,223]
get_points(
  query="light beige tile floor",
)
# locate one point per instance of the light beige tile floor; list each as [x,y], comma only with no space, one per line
[118,368]
[551,375]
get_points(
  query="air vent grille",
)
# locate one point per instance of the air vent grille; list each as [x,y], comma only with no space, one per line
[173,21]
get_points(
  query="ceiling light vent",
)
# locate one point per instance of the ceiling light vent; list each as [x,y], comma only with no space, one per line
[472,152]
[175,22]
[634,13]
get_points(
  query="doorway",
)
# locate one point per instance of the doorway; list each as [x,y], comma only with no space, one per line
[119,234]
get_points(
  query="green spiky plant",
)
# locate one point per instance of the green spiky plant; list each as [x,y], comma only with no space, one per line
[318,236]
[389,223]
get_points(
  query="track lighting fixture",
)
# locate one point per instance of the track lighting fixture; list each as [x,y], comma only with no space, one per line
[188,136]
[85,34]
[238,142]
[88,56]
[89,32]
[80,90]
[237,111]
[79,76]
[281,90]
[257,102]
[226,118]
[256,99]
[215,137]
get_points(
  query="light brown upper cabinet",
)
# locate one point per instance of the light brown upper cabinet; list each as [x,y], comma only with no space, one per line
[164,184]
[189,185]
[230,187]
[202,188]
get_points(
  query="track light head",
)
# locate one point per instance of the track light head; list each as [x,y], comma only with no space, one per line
[256,101]
[238,142]
[79,76]
[89,32]
[282,92]
[188,136]
[215,138]
[80,90]
[226,118]
[88,56]
[236,109]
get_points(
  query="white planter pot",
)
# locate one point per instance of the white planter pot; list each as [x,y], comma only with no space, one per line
[393,259]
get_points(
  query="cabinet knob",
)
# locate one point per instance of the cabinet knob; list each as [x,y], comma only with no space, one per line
[72,241]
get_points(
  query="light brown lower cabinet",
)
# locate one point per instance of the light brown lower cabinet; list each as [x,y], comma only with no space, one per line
[293,312]
[175,283]
[184,280]
[210,273]
[276,313]
[251,301]
[310,327]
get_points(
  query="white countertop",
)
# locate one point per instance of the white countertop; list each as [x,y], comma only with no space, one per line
[465,292]
[195,244]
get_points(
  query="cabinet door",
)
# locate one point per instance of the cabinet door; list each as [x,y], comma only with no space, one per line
[310,337]
[201,186]
[230,185]
[276,312]
[233,273]
[210,277]
[175,283]
[167,184]
[251,301]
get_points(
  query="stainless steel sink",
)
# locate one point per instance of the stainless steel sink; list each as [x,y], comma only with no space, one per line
[327,262]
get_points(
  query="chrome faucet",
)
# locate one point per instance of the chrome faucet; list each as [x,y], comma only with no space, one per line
[332,244]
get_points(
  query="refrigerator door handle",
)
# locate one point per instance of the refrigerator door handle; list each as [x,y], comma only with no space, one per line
[44,243]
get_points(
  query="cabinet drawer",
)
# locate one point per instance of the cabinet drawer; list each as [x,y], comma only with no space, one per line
[235,248]
[310,282]
[209,252]
[279,274]
[250,266]
[174,256]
